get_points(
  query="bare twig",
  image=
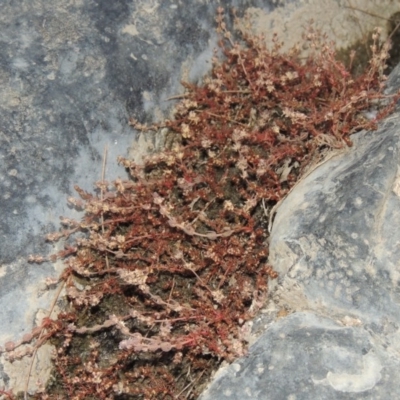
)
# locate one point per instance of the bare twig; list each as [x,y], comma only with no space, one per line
[103,172]
[367,12]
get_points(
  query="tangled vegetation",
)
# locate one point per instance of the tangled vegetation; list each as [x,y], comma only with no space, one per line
[174,261]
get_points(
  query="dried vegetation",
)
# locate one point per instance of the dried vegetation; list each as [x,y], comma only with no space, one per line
[174,261]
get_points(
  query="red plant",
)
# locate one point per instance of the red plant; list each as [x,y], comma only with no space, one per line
[175,260]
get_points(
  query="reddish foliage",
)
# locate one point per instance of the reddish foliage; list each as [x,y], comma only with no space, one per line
[175,259]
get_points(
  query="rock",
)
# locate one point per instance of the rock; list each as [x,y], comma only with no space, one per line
[332,330]
[306,356]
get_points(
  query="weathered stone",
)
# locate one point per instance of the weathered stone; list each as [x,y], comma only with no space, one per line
[307,356]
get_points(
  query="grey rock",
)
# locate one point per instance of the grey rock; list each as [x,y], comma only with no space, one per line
[336,245]
[306,356]
[339,228]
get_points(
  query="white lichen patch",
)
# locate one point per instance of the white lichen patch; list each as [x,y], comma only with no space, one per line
[396,183]
[368,377]
[130,29]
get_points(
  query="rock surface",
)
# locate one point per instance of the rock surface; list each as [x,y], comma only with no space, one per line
[332,330]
